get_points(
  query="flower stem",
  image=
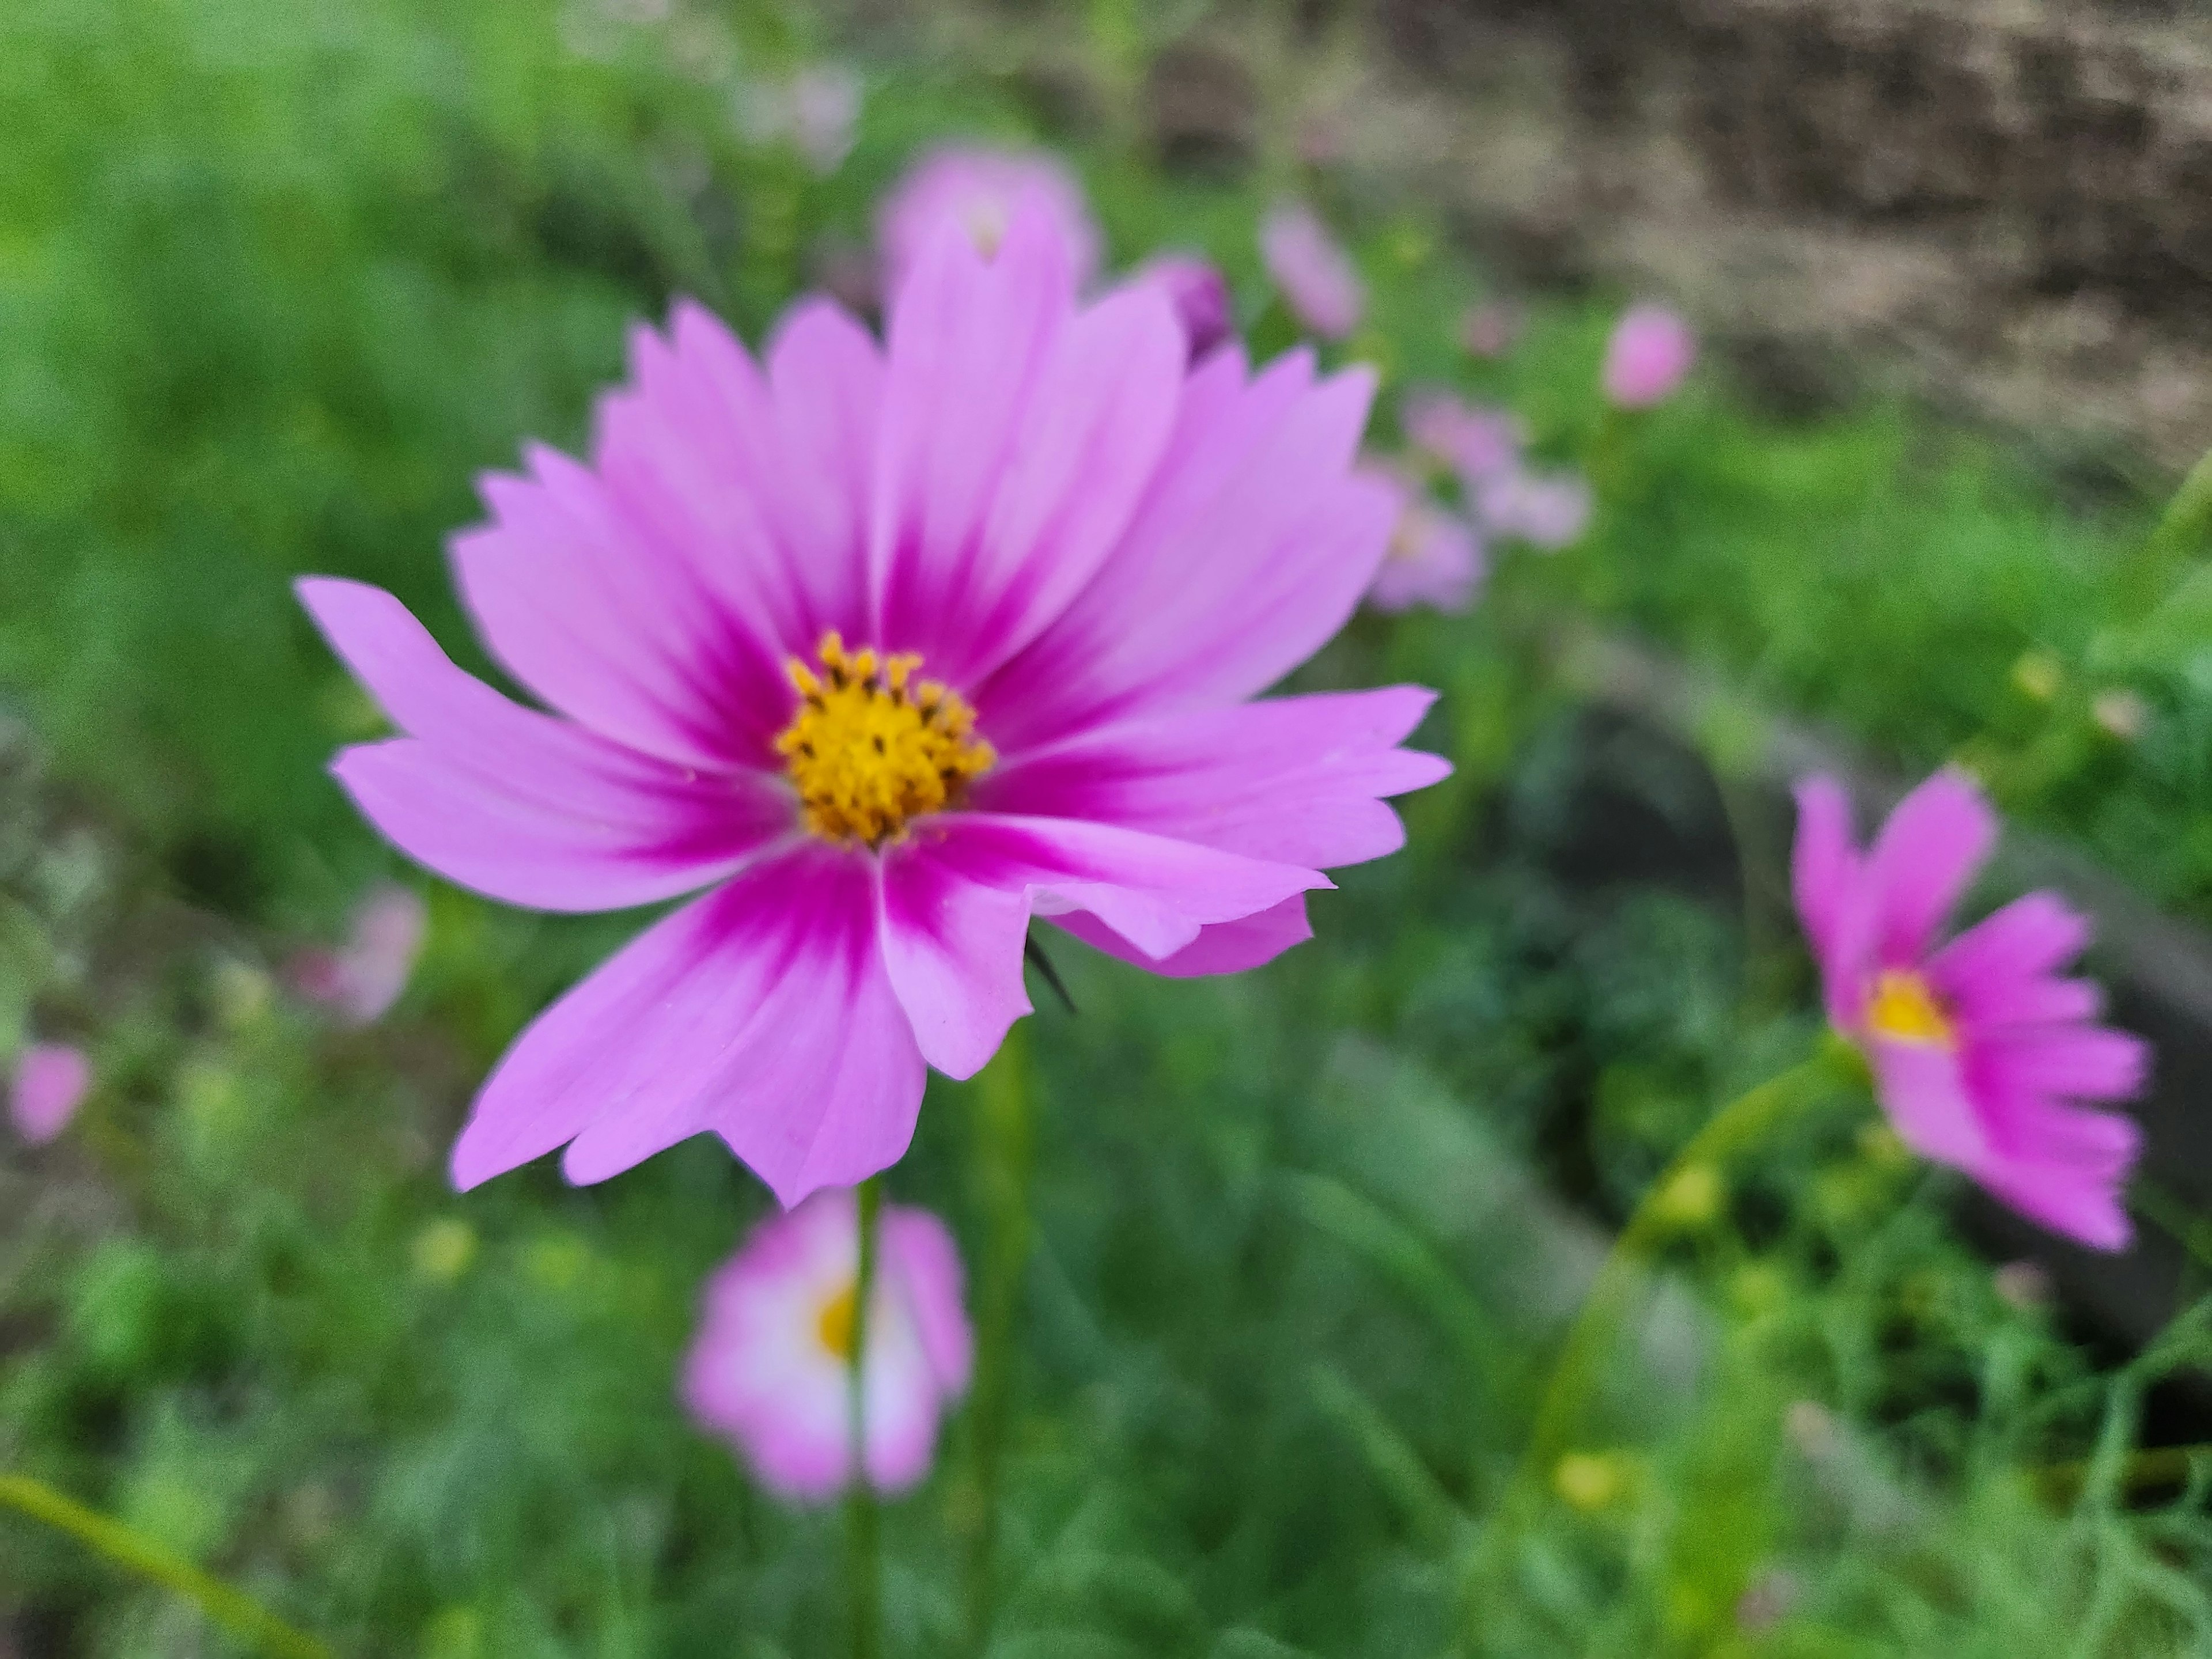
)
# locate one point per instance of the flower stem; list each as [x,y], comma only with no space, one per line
[1005,1160]
[233,1609]
[864,1555]
[1575,1374]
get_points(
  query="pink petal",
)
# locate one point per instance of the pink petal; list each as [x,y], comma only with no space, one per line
[1922,1090]
[918,1252]
[1923,859]
[2073,1062]
[1998,971]
[953,947]
[1225,947]
[516,804]
[1199,296]
[50,1082]
[761,1012]
[1292,780]
[1253,546]
[1824,877]
[989,523]
[1316,277]
[826,377]
[603,614]
[979,191]
[2065,1168]
[1650,351]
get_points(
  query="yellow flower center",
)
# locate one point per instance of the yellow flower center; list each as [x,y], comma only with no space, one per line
[871,748]
[834,1324]
[1904,1010]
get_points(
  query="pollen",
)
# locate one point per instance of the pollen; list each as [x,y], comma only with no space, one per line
[872,748]
[833,1326]
[1904,1010]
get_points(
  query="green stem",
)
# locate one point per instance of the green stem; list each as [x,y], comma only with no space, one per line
[864,1554]
[1006,1158]
[235,1611]
[1575,1376]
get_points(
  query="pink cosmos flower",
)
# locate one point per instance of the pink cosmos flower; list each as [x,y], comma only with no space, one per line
[980,189]
[1546,511]
[50,1082]
[1200,298]
[363,980]
[771,1368]
[1436,558]
[888,650]
[1650,351]
[1979,1050]
[1315,275]
[1478,444]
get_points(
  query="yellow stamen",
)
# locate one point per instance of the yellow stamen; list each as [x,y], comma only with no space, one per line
[1904,1010]
[834,1325]
[871,748]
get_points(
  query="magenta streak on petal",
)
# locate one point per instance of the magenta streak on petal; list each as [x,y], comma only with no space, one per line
[517,804]
[1296,781]
[1225,947]
[761,1012]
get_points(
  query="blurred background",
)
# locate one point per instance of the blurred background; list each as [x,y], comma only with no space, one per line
[279,278]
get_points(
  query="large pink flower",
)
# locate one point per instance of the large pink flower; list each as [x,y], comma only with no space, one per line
[888,650]
[772,1365]
[1979,1050]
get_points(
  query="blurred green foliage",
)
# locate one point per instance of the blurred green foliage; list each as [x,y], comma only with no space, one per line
[276,280]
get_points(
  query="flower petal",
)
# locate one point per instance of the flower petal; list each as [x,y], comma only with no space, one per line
[1253,545]
[1922,1090]
[516,804]
[1824,876]
[2000,971]
[761,1011]
[1922,861]
[924,1264]
[1292,780]
[1221,947]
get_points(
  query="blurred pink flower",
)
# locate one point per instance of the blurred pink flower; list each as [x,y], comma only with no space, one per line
[1067,562]
[1200,298]
[771,1367]
[1477,443]
[1436,558]
[817,111]
[363,979]
[1315,274]
[1651,349]
[1490,329]
[1979,1049]
[980,189]
[1548,512]
[50,1082]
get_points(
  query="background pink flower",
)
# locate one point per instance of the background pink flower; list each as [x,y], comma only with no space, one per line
[1477,443]
[1979,1050]
[1651,349]
[1436,558]
[888,650]
[1314,274]
[771,1367]
[1546,511]
[1490,329]
[364,978]
[1200,298]
[49,1084]
[979,189]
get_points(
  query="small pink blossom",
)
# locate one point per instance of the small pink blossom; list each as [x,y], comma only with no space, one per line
[50,1082]
[1436,559]
[1313,273]
[1200,298]
[878,651]
[817,111]
[361,980]
[1980,1052]
[1478,443]
[771,1367]
[981,189]
[1491,329]
[1546,511]
[1651,350]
